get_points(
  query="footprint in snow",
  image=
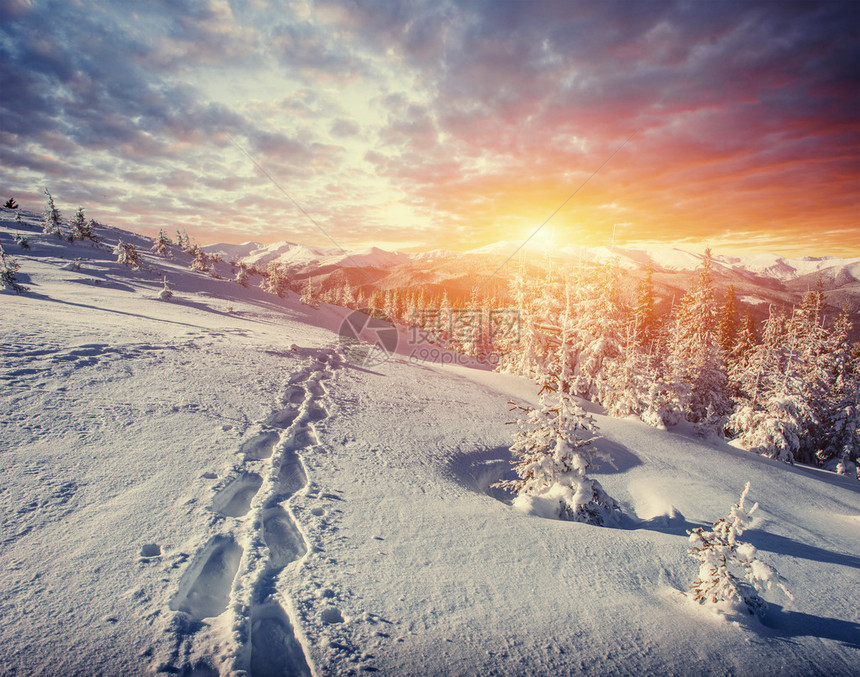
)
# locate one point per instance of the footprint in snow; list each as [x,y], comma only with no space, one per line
[316,413]
[284,540]
[282,419]
[234,500]
[274,648]
[291,474]
[295,395]
[205,587]
[260,446]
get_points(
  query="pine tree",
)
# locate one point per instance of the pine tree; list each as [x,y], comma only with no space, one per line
[773,412]
[166,293]
[815,384]
[11,204]
[81,229]
[346,298]
[696,358]
[51,219]
[199,260]
[550,457]
[9,268]
[241,276]
[524,350]
[839,447]
[276,280]
[127,255]
[21,241]
[729,570]
[597,320]
[729,322]
[162,242]
[307,297]
[644,313]
[738,358]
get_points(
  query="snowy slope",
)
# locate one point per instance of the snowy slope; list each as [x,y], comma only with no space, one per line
[229,252]
[300,256]
[208,485]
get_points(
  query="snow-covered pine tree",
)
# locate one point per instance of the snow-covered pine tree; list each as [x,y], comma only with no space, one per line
[729,322]
[21,241]
[18,217]
[162,242]
[276,280]
[839,447]
[523,350]
[729,570]
[696,360]
[550,457]
[80,227]
[166,293]
[738,358]
[90,230]
[308,297]
[51,218]
[9,268]
[773,411]
[127,254]
[624,388]
[199,259]
[643,315]
[598,322]
[241,276]
[346,297]
[809,355]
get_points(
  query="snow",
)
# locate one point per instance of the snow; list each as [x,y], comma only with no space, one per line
[229,251]
[298,255]
[206,485]
[662,257]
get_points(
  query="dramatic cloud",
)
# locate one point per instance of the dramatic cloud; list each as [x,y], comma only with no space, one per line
[432,123]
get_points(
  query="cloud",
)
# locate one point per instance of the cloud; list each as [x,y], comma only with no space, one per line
[480,116]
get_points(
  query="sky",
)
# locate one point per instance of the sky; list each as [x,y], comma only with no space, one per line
[435,124]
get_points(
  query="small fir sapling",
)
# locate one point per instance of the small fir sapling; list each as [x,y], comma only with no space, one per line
[88,233]
[21,241]
[161,243]
[729,570]
[241,276]
[80,227]
[200,260]
[307,297]
[127,255]
[11,204]
[51,218]
[276,280]
[550,456]
[165,294]
[8,269]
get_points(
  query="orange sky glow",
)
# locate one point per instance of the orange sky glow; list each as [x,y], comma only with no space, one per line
[439,124]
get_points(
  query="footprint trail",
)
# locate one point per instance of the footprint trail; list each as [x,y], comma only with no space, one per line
[238,570]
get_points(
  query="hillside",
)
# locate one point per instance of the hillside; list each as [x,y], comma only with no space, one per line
[210,484]
[760,280]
